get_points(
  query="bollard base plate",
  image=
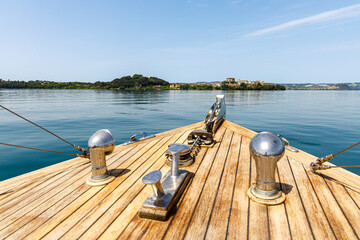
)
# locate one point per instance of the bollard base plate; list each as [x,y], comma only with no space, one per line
[274,199]
[105,180]
[161,209]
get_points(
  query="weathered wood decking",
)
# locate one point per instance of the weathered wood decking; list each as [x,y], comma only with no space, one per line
[55,202]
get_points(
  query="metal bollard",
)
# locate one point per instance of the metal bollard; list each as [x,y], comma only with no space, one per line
[266,148]
[100,144]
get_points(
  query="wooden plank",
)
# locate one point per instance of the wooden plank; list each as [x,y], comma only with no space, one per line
[297,216]
[25,214]
[258,224]
[79,202]
[278,221]
[11,192]
[349,179]
[44,211]
[101,215]
[346,203]
[131,211]
[316,216]
[29,222]
[219,220]
[143,228]
[39,174]
[17,204]
[182,218]
[335,216]
[29,191]
[202,212]
[28,178]
[355,196]
[239,129]
[31,181]
[14,192]
[36,197]
[238,223]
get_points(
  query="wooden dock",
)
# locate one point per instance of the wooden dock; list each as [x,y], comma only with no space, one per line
[54,202]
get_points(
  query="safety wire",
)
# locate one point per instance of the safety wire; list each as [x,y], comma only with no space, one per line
[346,149]
[318,165]
[44,150]
[73,145]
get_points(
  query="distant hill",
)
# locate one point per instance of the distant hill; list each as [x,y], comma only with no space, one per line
[323,86]
[136,81]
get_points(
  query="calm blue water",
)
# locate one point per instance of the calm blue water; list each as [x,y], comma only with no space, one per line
[318,122]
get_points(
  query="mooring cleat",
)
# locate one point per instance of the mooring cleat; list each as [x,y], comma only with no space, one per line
[160,204]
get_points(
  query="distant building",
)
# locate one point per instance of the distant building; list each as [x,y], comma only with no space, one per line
[174,86]
[230,80]
[203,84]
[243,81]
[256,82]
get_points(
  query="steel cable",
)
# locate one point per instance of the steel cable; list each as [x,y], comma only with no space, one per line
[73,145]
[346,149]
[39,149]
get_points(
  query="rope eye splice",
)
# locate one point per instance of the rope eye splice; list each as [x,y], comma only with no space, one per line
[319,163]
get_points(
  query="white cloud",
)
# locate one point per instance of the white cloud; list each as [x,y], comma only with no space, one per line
[341,13]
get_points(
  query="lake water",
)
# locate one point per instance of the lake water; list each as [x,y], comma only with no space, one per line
[318,122]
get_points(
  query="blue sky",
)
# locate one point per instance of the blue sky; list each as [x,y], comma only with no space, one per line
[278,41]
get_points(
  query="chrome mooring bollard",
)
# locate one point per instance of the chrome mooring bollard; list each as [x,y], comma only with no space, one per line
[266,149]
[100,144]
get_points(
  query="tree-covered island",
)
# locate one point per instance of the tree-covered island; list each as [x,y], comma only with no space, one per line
[134,82]
[140,82]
